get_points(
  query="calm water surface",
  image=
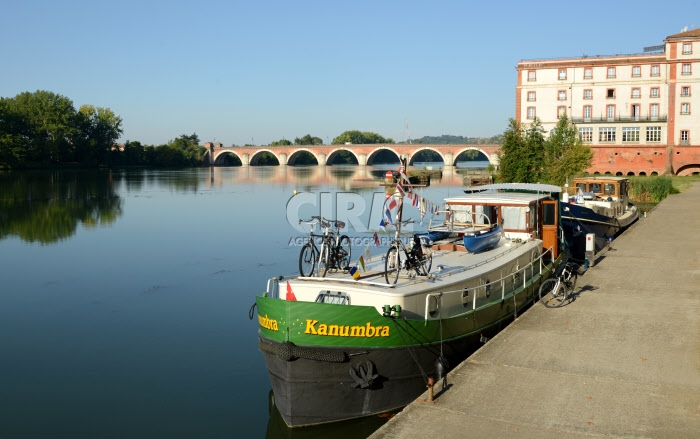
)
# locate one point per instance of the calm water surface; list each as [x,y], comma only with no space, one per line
[125,297]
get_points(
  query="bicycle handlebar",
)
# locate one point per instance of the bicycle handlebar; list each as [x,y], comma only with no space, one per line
[325,222]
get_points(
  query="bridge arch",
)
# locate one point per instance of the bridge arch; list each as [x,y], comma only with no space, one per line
[255,158]
[334,153]
[294,156]
[688,169]
[418,151]
[373,155]
[470,148]
[223,157]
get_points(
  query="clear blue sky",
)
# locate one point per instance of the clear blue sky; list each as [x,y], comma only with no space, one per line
[259,71]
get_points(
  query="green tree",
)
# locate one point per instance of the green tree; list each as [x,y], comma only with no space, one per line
[48,125]
[522,152]
[98,128]
[308,140]
[192,152]
[13,132]
[134,153]
[360,138]
[564,153]
[281,143]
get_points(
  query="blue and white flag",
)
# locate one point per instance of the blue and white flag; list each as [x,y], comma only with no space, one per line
[386,220]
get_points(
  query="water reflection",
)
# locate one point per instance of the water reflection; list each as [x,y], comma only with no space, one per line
[354,429]
[345,177]
[48,206]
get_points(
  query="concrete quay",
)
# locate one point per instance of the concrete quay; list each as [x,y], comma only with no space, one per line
[622,360]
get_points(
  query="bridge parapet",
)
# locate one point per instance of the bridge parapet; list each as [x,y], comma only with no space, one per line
[365,154]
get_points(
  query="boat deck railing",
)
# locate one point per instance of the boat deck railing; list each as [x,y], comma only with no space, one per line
[486,288]
[273,283]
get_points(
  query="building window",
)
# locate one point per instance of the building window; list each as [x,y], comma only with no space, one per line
[588,94]
[610,93]
[655,71]
[635,111]
[611,72]
[531,96]
[636,92]
[586,134]
[630,134]
[653,134]
[686,69]
[530,112]
[636,71]
[562,73]
[611,111]
[685,91]
[606,134]
[687,48]
[654,110]
[655,92]
[588,73]
[685,137]
[685,108]
[562,95]
[587,111]
[561,111]
[531,75]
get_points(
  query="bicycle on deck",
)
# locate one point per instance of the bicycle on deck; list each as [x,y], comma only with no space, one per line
[334,250]
[418,259]
[557,289]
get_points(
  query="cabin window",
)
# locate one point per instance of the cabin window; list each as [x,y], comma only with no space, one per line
[595,188]
[581,186]
[609,189]
[549,214]
[514,218]
[334,297]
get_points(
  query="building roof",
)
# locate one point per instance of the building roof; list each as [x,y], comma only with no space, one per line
[687,34]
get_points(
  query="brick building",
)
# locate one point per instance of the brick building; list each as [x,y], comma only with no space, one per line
[635,111]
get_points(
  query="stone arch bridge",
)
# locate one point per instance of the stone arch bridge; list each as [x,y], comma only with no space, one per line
[614,159]
[325,154]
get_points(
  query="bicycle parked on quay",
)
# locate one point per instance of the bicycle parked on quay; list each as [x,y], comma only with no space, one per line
[334,250]
[557,289]
[418,260]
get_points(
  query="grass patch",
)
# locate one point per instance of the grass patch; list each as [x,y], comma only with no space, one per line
[651,189]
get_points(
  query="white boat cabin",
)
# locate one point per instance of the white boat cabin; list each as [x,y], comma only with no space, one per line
[604,195]
[521,216]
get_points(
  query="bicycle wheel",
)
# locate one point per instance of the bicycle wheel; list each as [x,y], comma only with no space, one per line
[344,253]
[392,265]
[572,284]
[552,293]
[324,259]
[307,260]
[427,263]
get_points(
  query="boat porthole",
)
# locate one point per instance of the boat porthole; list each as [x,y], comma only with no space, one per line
[465,298]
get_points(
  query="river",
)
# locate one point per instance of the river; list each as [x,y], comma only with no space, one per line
[125,294]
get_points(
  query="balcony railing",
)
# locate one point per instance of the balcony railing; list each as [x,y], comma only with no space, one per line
[619,119]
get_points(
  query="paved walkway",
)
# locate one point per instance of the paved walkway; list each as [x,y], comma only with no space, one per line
[623,360]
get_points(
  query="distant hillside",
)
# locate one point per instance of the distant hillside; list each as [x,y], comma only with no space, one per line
[448,139]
